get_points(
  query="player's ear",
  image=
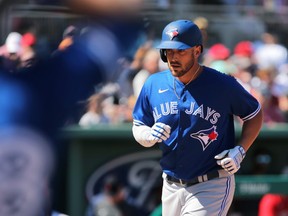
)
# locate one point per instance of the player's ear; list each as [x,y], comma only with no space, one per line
[198,50]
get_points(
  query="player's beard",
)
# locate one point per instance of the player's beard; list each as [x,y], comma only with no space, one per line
[179,70]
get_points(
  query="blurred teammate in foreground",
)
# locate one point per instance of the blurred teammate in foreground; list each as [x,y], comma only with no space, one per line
[34,105]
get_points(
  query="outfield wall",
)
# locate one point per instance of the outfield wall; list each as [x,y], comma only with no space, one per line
[95,152]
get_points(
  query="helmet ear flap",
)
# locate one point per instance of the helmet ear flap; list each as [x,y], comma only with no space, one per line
[163,55]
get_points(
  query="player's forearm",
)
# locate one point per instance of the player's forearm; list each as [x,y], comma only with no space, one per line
[141,134]
[250,131]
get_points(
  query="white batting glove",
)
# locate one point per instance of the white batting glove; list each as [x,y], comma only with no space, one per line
[231,159]
[148,136]
[159,132]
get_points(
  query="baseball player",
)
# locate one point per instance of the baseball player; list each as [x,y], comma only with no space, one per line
[188,110]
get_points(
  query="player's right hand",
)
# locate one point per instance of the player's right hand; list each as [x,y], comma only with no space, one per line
[159,132]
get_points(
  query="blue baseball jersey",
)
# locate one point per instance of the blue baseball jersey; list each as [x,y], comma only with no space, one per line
[201,116]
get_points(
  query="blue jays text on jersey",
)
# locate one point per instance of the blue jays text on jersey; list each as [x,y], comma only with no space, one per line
[171,108]
[201,117]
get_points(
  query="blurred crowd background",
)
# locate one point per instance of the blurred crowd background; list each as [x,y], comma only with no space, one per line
[246,39]
[83,62]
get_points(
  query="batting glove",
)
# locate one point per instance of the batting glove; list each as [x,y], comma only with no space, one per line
[159,132]
[231,159]
[148,136]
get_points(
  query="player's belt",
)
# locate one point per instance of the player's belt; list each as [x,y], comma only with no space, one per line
[199,179]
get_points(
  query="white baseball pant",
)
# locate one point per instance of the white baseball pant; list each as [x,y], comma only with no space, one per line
[209,198]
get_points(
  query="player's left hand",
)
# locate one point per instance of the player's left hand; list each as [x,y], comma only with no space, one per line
[160,132]
[231,159]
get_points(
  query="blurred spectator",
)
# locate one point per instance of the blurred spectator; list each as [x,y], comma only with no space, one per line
[263,80]
[68,37]
[11,52]
[124,75]
[261,164]
[272,112]
[217,57]
[112,200]
[129,72]
[243,57]
[28,55]
[18,52]
[203,25]
[244,49]
[28,40]
[125,78]
[270,54]
[13,42]
[150,65]
[273,205]
[244,78]
[219,51]
[280,88]
[94,112]
[113,109]
[281,81]
[128,109]
[112,105]
[264,83]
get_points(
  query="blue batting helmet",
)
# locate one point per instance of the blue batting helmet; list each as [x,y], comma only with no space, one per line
[180,34]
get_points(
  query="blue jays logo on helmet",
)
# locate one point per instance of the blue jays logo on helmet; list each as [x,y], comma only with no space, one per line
[172,33]
[180,34]
[206,137]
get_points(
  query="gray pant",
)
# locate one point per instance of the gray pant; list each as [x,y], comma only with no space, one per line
[210,198]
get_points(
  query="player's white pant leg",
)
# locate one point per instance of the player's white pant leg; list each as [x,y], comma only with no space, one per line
[211,198]
[171,198]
